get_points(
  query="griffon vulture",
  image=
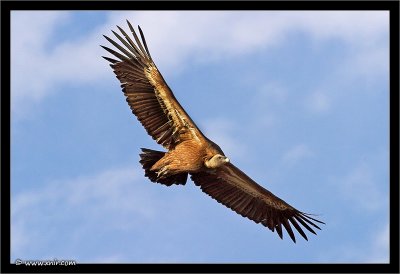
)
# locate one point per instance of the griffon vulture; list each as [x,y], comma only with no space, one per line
[189,150]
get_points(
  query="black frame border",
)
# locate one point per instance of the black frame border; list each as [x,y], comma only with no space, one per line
[391,6]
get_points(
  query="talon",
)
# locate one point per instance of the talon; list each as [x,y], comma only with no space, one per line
[162,173]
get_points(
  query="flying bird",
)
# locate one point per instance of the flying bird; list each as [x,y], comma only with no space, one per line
[189,151]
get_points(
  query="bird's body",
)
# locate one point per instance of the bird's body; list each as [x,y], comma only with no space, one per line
[189,150]
[189,156]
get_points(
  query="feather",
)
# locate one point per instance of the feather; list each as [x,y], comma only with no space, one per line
[298,228]
[140,80]
[144,42]
[142,51]
[249,199]
[115,44]
[134,47]
[155,106]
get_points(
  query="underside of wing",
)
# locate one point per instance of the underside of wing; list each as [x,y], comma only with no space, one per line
[147,94]
[234,189]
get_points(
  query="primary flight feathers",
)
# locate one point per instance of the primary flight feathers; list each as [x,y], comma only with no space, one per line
[189,150]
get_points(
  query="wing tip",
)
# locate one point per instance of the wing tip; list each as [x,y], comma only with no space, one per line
[129,24]
[112,61]
[308,219]
[274,218]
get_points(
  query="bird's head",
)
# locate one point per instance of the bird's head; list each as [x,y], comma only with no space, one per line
[216,161]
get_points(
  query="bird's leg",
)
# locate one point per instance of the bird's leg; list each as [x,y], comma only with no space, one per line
[162,173]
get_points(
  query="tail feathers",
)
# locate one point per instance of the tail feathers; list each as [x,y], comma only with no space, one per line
[148,158]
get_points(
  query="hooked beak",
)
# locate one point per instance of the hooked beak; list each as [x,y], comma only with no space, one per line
[227,160]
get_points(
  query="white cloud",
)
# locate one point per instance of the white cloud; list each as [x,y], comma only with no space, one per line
[318,102]
[360,187]
[374,248]
[190,35]
[350,26]
[368,64]
[221,132]
[175,39]
[38,70]
[271,92]
[30,32]
[297,153]
[113,199]
[380,246]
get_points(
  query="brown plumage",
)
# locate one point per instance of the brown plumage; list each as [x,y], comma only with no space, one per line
[189,151]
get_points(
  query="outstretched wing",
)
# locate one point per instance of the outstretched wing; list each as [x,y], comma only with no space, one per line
[148,95]
[234,189]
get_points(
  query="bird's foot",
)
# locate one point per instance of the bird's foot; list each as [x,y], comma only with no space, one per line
[162,173]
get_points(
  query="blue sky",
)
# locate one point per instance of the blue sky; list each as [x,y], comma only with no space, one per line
[298,100]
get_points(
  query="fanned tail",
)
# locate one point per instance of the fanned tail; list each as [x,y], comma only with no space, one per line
[148,158]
